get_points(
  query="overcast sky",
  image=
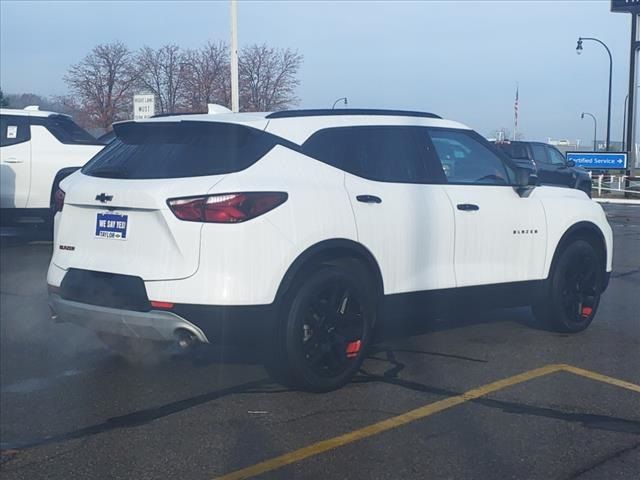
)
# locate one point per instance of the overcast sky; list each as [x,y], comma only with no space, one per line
[460,59]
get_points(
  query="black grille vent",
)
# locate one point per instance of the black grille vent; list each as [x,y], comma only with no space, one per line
[105,289]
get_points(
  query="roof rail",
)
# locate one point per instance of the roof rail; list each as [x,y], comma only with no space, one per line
[32,108]
[349,111]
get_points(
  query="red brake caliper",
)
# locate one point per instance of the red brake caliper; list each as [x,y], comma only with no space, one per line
[353,348]
[586,311]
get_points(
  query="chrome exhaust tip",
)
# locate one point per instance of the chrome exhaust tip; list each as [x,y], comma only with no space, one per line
[186,339]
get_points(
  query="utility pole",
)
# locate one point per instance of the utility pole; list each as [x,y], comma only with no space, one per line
[632,7]
[235,94]
[630,142]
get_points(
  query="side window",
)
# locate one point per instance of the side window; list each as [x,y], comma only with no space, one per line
[465,159]
[14,129]
[65,130]
[556,157]
[383,153]
[539,153]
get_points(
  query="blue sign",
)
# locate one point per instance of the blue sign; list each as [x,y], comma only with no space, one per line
[111,225]
[599,160]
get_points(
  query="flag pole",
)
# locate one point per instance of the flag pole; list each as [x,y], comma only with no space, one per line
[515,114]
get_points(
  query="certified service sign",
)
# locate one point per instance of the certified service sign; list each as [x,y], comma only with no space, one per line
[599,160]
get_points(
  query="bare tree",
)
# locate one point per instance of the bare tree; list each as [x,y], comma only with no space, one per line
[160,71]
[103,82]
[205,75]
[268,78]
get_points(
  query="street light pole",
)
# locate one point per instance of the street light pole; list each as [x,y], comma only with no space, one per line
[579,51]
[595,129]
[338,100]
[235,95]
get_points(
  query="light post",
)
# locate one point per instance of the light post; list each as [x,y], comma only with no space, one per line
[624,121]
[579,51]
[595,129]
[338,100]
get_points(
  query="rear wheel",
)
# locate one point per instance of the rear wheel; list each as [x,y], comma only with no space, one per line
[325,329]
[573,291]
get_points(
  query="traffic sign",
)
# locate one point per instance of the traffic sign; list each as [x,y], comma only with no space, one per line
[144,106]
[599,160]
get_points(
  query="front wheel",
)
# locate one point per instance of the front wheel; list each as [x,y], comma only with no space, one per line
[325,329]
[573,290]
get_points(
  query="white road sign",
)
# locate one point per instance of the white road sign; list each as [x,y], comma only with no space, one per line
[144,106]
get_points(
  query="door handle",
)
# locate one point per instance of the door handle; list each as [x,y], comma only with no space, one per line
[13,160]
[468,207]
[368,199]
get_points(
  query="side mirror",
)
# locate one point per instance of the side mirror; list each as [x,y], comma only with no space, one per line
[526,181]
[571,163]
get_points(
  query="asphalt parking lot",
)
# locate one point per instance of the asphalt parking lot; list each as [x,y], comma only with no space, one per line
[484,395]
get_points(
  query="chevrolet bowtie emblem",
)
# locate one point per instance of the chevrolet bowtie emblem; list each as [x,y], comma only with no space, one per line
[104,198]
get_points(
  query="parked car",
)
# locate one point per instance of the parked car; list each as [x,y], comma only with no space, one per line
[301,229]
[37,149]
[549,163]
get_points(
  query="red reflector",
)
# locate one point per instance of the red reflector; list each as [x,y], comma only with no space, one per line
[53,289]
[353,348]
[227,207]
[586,311]
[163,305]
[58,200]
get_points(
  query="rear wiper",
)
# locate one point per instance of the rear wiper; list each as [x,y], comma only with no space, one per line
[109,172]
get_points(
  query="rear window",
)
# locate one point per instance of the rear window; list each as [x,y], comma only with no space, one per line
[14,129]
[65,130]
[179,149]
[514,150]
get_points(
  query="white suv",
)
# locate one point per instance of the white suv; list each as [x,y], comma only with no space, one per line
[35,148]
[300,229]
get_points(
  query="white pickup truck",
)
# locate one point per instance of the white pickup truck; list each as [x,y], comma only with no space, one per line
[35,148]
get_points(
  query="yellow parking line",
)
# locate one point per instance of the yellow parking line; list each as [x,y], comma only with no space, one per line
[387,424]
[417,414]
[601,378]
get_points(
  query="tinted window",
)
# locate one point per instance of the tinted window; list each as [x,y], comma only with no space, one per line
[555,156]
[65,130]
[382,153]
[13,129]
[514,150]
[539,153]
[179,149]
[466,159]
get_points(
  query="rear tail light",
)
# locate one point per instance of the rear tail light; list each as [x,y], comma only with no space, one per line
[58,200]
[226,208]
[161,305]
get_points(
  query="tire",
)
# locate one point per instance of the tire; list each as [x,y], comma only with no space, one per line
[324,329]
[135,350]
[572,292]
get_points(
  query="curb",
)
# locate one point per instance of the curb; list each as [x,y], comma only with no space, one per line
[629,201]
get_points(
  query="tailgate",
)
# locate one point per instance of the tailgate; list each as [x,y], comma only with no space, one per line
[128,230]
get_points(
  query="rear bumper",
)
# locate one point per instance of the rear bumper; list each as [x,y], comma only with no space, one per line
[152,325]
[237,325]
